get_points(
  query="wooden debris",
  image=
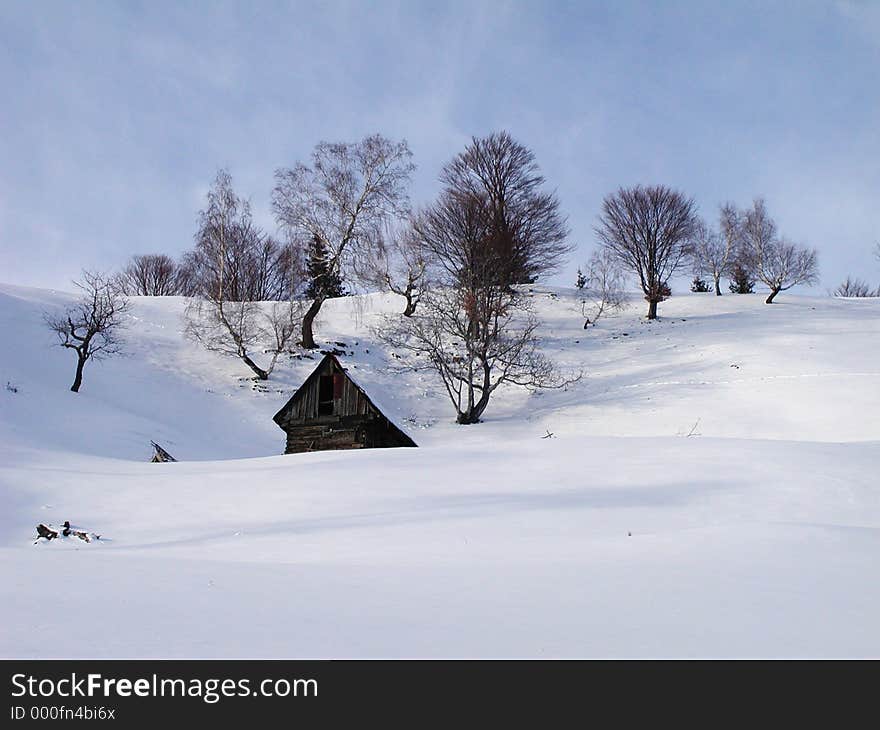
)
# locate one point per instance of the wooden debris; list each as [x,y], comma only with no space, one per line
[84,536]
[45,532]
[161,455]
[335,351]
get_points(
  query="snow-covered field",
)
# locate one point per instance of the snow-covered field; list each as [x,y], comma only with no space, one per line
[710,489]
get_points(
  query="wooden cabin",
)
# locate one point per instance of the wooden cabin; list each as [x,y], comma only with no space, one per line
[331,411]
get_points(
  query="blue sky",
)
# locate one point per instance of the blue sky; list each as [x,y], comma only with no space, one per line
[116,116]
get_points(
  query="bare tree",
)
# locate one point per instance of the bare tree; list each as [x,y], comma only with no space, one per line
[603,289]
[706,245]
[243,329]
[855,288]
[649,230]
[475,342]
[491,228]
[526,228]
[342,200]
[233,258]
[400,265]
[472,328]
[714,250]
[91,326]
[225,236]
[228,317]
[189,280]
[270,271]
[778,263]
[785,265]
[150,275]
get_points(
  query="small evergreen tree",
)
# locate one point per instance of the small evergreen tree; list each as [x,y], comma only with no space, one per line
[324,282]
[741,280]
[699,285]
[581,281]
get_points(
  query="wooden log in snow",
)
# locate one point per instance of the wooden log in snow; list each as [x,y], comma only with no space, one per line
[45,532]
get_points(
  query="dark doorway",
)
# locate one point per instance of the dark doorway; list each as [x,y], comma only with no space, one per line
[325,395]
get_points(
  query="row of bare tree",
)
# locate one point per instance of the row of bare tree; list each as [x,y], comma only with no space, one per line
[346,217]
[252,265]
[459,263]
[858,288]
[747,244]
[654,232]
[347,212]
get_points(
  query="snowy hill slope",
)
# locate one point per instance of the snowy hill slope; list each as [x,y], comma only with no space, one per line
[759,534]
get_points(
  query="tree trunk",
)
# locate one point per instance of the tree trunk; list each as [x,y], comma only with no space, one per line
[773,293]
[261,374]
[308,337]
[717,286]
[78,379]
[652,310]
[410,306]
[475,410]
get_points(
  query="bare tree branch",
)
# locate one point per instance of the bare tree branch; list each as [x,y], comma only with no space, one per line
[855,288]
[91,327]
[602,289]
[400,265]
[228,318]
[475,342]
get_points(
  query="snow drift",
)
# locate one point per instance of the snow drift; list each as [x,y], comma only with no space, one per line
[709,490]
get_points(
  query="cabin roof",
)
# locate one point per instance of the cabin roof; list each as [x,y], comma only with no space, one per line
[279,417]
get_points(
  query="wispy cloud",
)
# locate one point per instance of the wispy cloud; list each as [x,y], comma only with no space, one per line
[119,114]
